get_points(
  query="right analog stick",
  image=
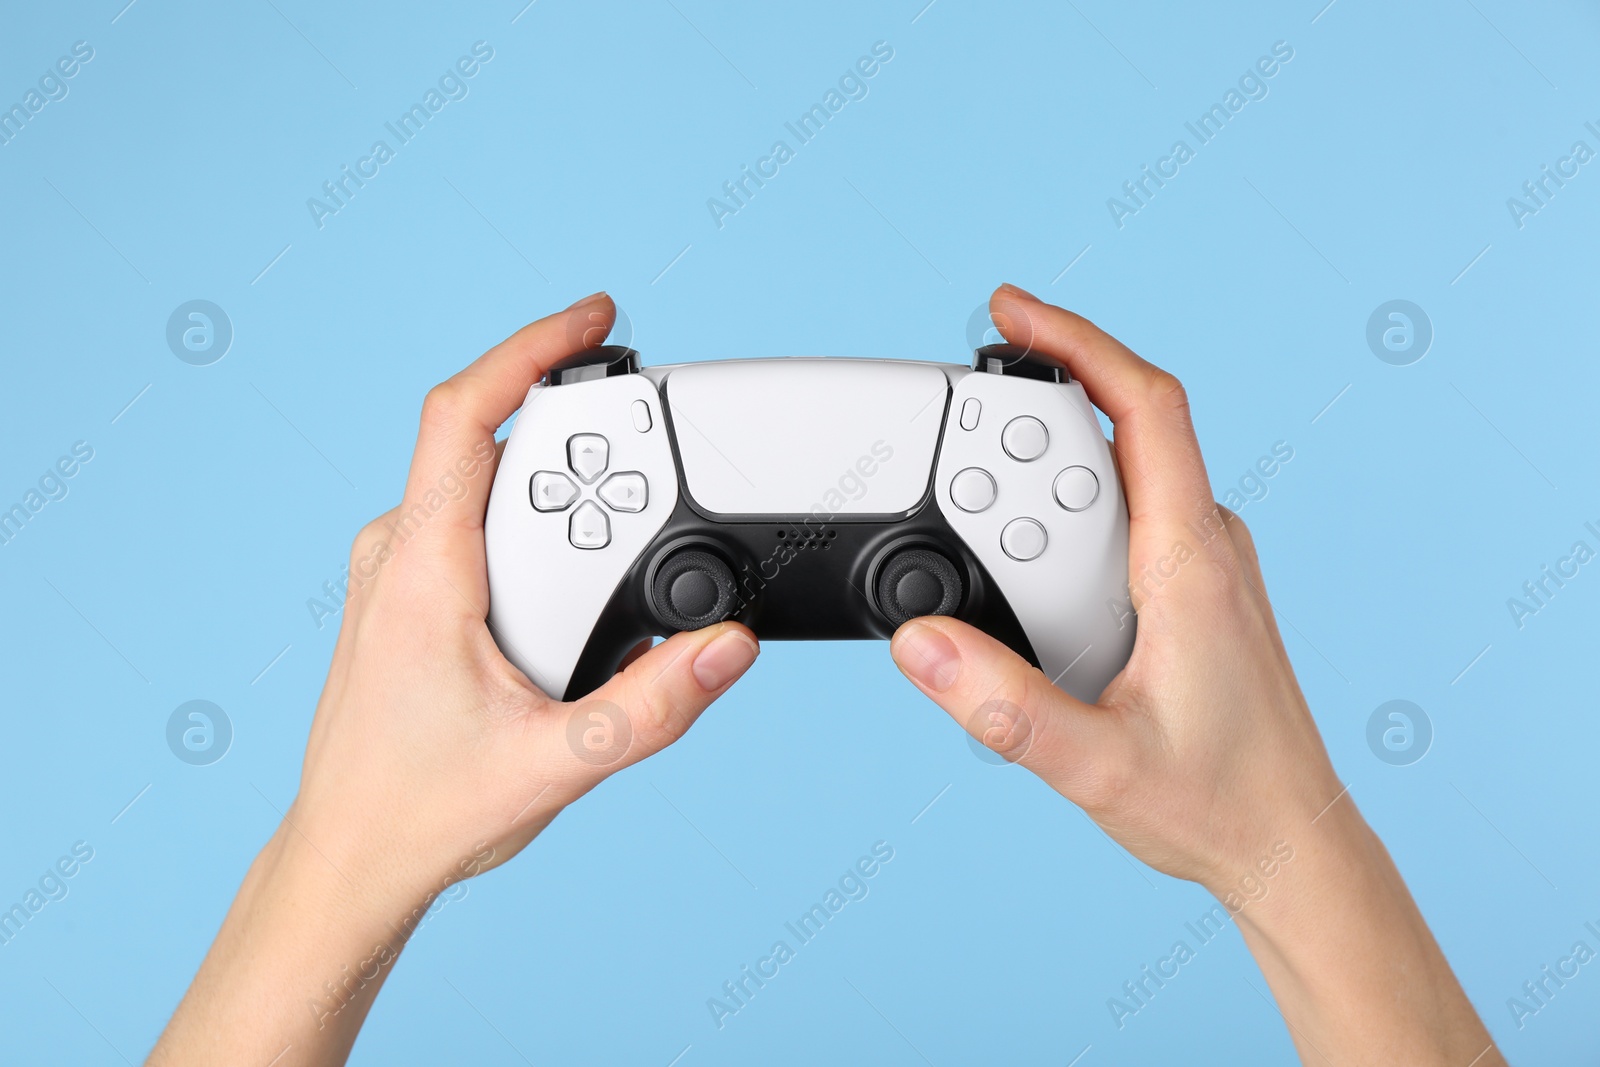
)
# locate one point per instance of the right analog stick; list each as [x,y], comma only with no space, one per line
[693,589]
[917,581]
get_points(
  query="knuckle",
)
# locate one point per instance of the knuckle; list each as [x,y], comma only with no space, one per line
[1103,785]
[1167,393]
[1238,529]
[442,404]
[370,541]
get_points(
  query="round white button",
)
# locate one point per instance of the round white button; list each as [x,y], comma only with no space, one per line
[1025,438]
[973,489]
[1076,488]
[1023,539]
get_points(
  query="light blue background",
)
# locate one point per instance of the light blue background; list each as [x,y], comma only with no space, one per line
[179,565]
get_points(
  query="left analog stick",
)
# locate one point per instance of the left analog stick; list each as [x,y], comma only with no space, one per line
[693,589]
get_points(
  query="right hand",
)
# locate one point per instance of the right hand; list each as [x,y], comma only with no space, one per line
[1202,753]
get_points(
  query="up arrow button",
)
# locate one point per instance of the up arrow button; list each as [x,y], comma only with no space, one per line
[588,454]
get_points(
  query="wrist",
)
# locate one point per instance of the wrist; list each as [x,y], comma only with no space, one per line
[385,870]
[1334,862]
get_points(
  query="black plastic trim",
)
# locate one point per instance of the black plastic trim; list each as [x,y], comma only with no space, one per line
[606,361]
[1018,361]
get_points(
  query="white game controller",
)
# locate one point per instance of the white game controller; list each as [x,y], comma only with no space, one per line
[809,498]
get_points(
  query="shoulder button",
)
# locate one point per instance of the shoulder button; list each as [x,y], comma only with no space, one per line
[1018,361]
[602,362]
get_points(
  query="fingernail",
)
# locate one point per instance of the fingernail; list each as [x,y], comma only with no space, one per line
[1017,290]
[927,656]
[723,660]
[592,298]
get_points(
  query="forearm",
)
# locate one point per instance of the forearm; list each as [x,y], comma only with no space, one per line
[1354,969]
[296,965]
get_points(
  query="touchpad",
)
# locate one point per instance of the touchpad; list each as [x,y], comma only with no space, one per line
[807,436]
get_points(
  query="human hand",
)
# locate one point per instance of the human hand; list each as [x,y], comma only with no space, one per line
[1201,756]
[1202,753]
[431,756]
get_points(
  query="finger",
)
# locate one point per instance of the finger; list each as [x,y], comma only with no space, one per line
[1244,546]
[1005,704]
[1164,477]
[453,466]
[655,700]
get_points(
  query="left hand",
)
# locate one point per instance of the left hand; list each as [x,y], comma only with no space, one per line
[431,757]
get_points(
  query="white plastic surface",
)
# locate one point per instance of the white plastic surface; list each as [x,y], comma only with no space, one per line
[1069,599]
[546,595]
[788,436]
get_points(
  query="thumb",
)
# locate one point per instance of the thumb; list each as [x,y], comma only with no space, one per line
[1004,703]
[657,697]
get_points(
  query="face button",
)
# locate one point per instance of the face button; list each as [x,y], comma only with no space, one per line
[917,581]
[627,491]
[970,411]
[1076,488]
[551,491]
[1025,438]
[1023,539]
[641,416]
[590,527]
[973,489]
[587,455]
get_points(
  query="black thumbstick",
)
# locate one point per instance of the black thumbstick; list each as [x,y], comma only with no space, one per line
[592,363]
[693,588]
[1019,362]
[917,581]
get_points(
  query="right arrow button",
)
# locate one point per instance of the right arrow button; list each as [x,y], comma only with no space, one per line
[626,491]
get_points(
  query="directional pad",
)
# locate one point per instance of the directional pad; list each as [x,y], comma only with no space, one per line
[552,491]
[627,491]
[588,454]
[590,527]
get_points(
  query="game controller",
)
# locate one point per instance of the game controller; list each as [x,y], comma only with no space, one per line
[810,498]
